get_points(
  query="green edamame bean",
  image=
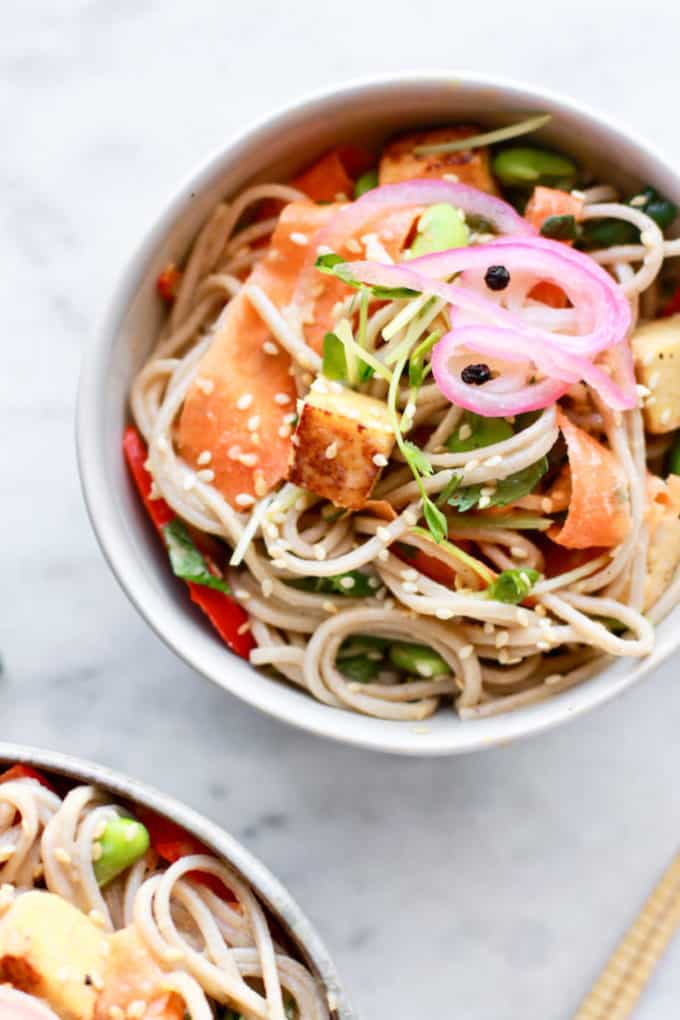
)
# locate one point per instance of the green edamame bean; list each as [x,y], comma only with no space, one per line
[418,659]
[525,166]
[674,456]
[359,668]
[123,842]
[367,182]
[661,210]
[441,227]
[362,644]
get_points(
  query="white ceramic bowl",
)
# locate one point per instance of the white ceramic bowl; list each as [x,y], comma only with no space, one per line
[275,149]
[304,941]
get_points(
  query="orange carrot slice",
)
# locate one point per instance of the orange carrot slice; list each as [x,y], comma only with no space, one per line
[546,202]
[598,509]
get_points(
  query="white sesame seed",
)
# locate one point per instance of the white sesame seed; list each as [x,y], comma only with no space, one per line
[653,380]
[269,347]
[502,638]
[553,679]
[116,1013]
[443,614]
[336,387]
[410,518]
[353,246]
[244,499]
[410,587]
[331,451]
[518,553]
[383,534]
[647,238]
[464,432]
[329,607]
[471,464]
[250,460]
[494,461]
[522,617]
[543,646]
[206,475]
[488,627]
[284,430]
[383,555]
[253,423]
[380,460]
[504,656]
[409,574]
[637,200]
[451,177]
[267,587]
[546,505]
[162,444]
[410,410]
[244,401]
[484,501]
[466,651]
[665,416]
[347,582]
[204,457]
[97,918]
[282,398]
[242,594]
[234,452]
[205,385]
[136,1010]
[540,610]
[62,856]
[319,553]
[298,238]
[188,483]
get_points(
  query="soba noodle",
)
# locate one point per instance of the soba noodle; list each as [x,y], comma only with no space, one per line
[211,951]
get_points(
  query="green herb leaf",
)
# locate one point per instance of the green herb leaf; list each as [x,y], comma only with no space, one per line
[449,489]
[186,560]
[359,588]
[507,490]
[435,519]
[365,183]
[513,586]
[560,228]
[417,460]
[483,432]
[335,265]
[362,644]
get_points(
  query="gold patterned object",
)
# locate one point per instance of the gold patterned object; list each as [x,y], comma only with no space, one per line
[617,990]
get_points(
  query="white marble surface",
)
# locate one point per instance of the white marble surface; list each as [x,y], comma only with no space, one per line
[490,888]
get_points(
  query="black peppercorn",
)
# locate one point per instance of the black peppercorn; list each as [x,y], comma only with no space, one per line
[476,374]
[497,278]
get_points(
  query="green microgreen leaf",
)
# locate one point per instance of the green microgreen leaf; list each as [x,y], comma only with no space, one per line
[513,586]
[353,584]
[508,490]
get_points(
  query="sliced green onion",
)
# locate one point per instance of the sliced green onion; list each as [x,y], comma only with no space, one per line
[524,127]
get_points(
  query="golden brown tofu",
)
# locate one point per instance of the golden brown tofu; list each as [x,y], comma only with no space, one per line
[400,162]
[656,350]
[341,442]
[52,950]
[132,975]
[663,558]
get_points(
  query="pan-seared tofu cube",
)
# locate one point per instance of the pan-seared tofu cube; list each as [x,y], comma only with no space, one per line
[50,949]
[663,557]
[656,350]
[400,162]
[341,442]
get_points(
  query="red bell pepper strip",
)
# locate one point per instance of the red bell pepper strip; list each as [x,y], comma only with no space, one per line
[171,842]
[25,772]
[168,282]
[226,615]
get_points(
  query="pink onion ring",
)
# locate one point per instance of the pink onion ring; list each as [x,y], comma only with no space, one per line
[585,283]
[356,216]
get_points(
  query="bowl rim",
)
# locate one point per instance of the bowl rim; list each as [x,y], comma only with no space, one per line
[327,722]
[268,889]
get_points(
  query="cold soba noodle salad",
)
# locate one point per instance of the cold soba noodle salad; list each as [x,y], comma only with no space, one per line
[112,912]
[409,430]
